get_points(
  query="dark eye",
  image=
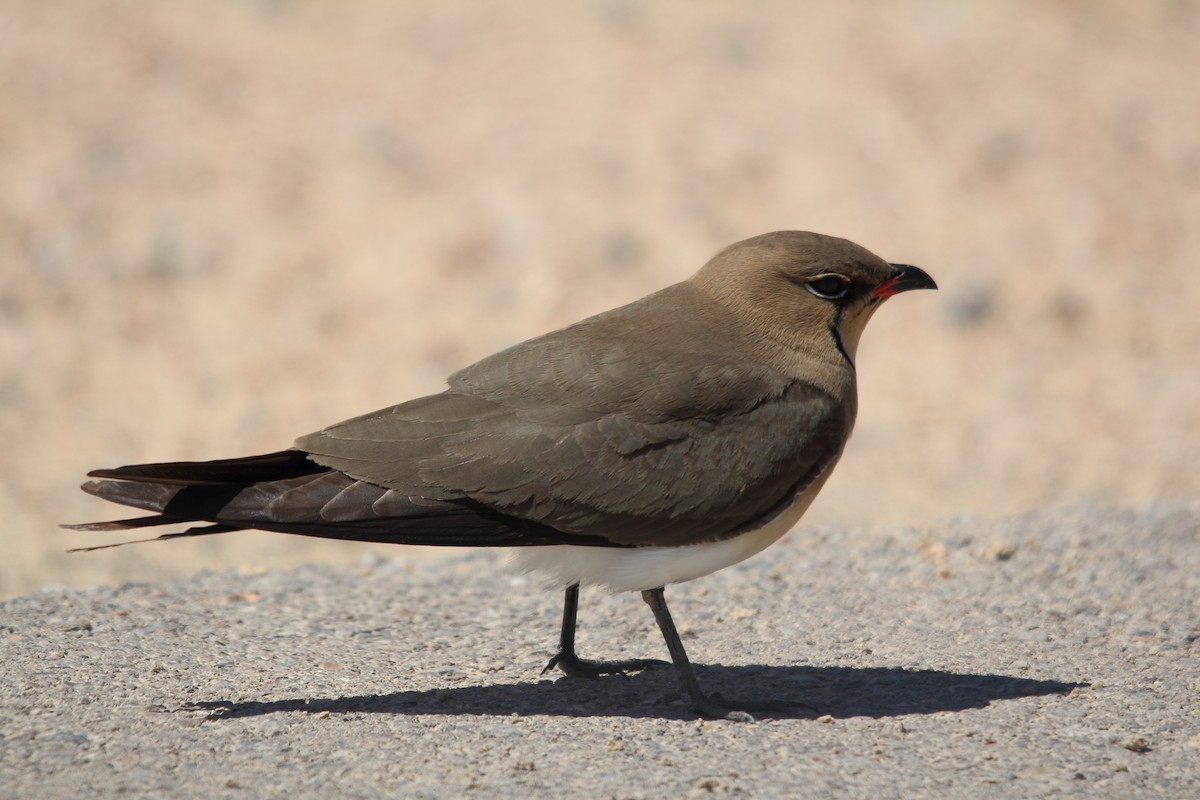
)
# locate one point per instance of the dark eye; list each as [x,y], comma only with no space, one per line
[829,287]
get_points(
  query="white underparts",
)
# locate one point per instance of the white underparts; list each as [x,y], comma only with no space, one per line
[631,569]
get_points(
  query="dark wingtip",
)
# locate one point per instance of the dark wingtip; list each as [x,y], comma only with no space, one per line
[244,471]
[122,524]
[88,526]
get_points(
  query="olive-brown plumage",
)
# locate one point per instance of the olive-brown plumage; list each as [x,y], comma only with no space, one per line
[646,445]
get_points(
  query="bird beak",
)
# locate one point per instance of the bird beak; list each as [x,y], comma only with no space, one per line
[904,278]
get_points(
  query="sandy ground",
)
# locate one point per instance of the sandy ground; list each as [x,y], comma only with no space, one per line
[226,224]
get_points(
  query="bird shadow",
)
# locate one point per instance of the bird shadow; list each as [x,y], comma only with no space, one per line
[793,693]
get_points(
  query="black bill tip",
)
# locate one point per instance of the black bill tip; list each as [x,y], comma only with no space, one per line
[904,278]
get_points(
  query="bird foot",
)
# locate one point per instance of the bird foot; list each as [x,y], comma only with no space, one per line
[577,667]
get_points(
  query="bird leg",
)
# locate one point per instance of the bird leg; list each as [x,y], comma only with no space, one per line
[570,663]
[698,700]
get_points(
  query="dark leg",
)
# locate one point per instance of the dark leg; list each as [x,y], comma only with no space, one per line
[698,700]
[570,663]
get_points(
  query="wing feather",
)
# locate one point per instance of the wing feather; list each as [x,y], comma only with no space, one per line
[628,426]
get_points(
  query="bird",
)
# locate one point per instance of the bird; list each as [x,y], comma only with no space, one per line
[645,446]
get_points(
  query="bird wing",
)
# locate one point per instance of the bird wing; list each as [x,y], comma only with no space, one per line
[323,503]
[636,426]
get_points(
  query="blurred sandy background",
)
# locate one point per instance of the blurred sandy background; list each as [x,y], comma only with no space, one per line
[223,224]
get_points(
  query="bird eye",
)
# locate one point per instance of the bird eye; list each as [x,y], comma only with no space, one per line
[829,287]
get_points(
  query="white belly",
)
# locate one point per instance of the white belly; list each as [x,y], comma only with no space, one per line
[631,569]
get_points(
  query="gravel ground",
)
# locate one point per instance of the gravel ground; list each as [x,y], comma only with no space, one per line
[1048,655]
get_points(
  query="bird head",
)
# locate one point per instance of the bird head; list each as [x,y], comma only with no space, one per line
[803,289]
